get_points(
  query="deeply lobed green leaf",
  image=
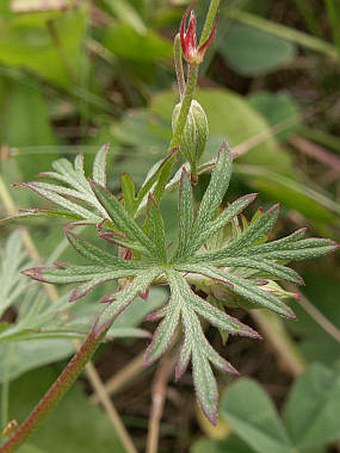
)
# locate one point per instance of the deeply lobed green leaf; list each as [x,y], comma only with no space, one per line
[213,250]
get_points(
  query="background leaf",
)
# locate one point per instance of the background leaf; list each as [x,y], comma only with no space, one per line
[124,41]
[75,425]
[313,410]
[253,417]
[252,52]
[18,357]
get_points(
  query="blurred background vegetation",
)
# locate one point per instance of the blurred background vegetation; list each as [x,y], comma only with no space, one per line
[76,74]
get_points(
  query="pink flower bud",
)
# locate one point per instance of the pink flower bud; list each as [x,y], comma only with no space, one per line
[191,51]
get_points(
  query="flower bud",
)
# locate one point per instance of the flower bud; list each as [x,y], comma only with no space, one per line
[193,53]
[194,135]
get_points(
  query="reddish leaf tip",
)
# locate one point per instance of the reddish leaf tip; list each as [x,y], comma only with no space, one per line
[35,274]
[296,296]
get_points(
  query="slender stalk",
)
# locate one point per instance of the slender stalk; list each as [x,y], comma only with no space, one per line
[55,393]
[210,20]
[165,171]
[123,377]
[186,98]
[158,399]
[318,317]
[273,329]
[185,106]
[5,388]
[178,62]
[110,409]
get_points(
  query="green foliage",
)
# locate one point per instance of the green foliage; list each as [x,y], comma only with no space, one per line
[146,47]
[278,109]
[240,126]
[243,264]
[43,329]
[252,52]
[316,345]
[47,43]
[76,425]
[73,193]
[309,419]
[267,167]
[12,285]
[216,258]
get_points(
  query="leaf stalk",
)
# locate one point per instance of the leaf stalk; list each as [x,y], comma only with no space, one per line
[55,393]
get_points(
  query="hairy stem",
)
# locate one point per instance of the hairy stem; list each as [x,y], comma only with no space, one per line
[210,20]
[185,105]
[186,96]
[165,171]
[178,61]
[55,392]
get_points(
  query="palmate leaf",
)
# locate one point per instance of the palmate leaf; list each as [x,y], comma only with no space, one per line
[70,191]
[213,250]
[36,317]
[104,267]
[185,306]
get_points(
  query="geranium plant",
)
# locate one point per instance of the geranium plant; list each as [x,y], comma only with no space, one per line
[218,259]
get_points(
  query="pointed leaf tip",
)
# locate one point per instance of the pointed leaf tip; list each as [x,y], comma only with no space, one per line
[224,148]
[35,274]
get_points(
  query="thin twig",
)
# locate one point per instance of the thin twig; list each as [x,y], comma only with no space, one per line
[318,317]
[90,370]
[273,329]
[158,398]
[316,152]
[122,377]
[110,409]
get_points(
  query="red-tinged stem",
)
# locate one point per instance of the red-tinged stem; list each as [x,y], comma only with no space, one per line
[55,393]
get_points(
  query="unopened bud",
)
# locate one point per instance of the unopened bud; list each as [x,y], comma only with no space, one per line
[193,53]
[195,134]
